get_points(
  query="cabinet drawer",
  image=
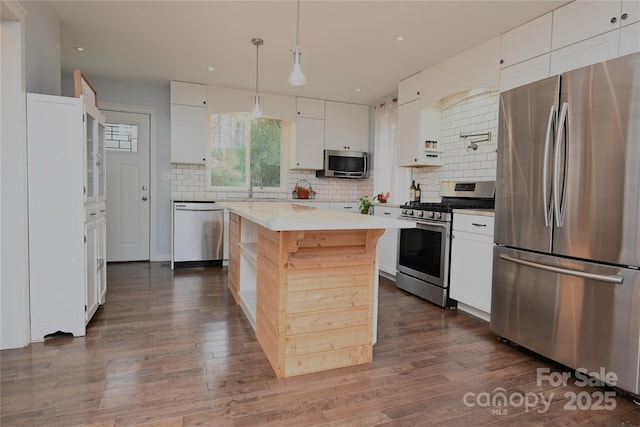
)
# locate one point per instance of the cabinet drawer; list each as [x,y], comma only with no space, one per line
[386,212]
[478,224]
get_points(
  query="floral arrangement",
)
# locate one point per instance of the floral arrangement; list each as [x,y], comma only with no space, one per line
[366,202]
[382,198]
[303,190]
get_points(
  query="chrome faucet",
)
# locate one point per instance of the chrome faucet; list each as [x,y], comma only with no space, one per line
[251,183]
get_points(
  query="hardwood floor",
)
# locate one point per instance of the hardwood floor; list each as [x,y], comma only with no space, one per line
[173,349]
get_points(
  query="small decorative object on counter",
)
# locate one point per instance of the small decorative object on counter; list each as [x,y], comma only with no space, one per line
[412,191]
[365,205]
[382,198]
[366,202]
[303,190]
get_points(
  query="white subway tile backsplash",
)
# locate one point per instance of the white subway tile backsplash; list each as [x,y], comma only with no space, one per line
[188,183]
[477,114]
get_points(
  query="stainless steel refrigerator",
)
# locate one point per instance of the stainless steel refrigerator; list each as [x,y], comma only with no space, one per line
[566,279]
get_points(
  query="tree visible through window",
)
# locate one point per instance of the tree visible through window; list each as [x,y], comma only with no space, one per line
[242,147]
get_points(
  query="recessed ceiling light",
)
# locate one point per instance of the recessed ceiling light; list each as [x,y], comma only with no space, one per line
[400,38]
[357,89]
[211,68]
[79,48]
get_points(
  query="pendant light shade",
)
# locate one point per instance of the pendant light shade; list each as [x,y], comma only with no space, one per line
[256,110]
[297,78]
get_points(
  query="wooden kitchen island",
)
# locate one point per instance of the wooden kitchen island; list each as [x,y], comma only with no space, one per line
[307,280]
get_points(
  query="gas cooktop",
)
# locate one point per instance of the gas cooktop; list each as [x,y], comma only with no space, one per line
[455,195]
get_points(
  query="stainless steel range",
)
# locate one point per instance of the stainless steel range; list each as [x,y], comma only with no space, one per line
[424,252]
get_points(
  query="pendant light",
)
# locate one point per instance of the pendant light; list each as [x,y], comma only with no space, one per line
[296,78]
[257,109]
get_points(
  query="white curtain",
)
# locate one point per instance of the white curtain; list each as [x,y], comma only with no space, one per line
[386,175]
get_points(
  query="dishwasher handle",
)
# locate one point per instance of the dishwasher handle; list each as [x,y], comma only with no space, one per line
[193,208]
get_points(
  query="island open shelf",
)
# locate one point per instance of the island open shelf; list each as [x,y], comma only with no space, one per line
[314,288]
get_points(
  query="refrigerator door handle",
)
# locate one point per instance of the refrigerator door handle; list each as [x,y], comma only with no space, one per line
[558,208]
[583,274]
[545,168]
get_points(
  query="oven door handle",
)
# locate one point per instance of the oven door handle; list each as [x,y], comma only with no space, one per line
[431,224]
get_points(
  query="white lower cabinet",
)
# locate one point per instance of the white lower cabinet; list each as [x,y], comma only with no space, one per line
[472,263]
[92,270]
[102,255]
[388,242]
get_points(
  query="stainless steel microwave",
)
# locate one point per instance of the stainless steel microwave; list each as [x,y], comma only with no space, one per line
[345,164]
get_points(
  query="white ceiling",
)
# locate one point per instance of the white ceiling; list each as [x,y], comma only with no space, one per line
[345,44]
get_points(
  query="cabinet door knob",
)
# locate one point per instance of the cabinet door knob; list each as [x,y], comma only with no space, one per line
[614,20]
[298,112]
[624,16]
[502,61]
[145,198]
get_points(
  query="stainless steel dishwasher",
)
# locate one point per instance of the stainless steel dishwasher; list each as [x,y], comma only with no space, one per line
[197,233]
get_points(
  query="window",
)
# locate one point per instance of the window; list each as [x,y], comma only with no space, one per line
[244,149]
[121,137]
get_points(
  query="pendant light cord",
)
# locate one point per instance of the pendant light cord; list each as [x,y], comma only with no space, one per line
[298,28]
[257,42]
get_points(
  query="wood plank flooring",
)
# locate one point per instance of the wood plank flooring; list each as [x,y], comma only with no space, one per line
[173,349]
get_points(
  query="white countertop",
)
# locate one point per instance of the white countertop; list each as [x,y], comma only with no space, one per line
[287,216]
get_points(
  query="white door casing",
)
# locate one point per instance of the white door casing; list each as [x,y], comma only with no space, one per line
[128,193]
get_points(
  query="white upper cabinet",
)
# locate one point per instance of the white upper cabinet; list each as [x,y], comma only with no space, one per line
[525,72]
[358,127]
[310,108]
[581,20]
[346,126]
[188,94]
[586,52]
[415,126]
[409,89]
[630,12]
[188,134]
[188,123]
[308,151]
[526,41]
[630,39]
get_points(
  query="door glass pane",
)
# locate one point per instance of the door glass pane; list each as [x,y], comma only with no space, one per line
[91,156]
[102,183]
[121,137]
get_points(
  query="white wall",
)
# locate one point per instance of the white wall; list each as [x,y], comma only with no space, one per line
[42,48]
[154,95]
[14,266]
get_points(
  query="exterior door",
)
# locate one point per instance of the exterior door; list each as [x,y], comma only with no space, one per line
[525,149]
[127,145]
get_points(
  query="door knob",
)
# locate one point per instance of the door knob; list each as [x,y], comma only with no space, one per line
[145,198]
